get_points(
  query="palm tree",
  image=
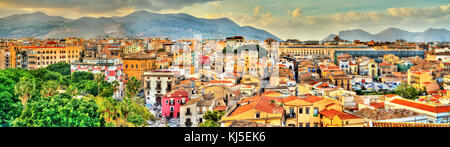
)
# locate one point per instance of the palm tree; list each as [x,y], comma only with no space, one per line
[49,88]
[132,88]
[98,78]
[72,90]
[115,86]
[24,89]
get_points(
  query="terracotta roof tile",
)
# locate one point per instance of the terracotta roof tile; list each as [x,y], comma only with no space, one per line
[417,105]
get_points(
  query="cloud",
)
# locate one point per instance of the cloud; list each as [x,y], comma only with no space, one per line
[101,6]
[297,13]
[428,12]
[257,10]
[216,5]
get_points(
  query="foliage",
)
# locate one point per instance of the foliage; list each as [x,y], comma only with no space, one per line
[24,89]
[209,123]
[126,113]
[10,105]
[49,88]
[407,91]
[60,111]
[61,67]
[78,77]
[212,119]
[161,50]
[132,88]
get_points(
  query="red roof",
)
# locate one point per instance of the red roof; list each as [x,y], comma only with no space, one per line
[377,105]
[429,108]
[312,99]
[385,64]
[220,108]
[178,93]
[260,103]
[290,98]
[332,113]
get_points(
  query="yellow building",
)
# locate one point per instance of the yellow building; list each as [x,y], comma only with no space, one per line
[391,59]
[304,112]
[334,118]
[419,78]
[446,84]
[257,109]
[373,68]
[35,57]
[326,50]
[136,64]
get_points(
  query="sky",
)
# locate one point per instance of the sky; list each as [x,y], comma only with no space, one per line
[287,19]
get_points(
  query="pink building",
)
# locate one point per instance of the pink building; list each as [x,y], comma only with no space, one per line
[172,102]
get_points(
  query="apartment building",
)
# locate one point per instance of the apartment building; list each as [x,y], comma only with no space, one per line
[158,83]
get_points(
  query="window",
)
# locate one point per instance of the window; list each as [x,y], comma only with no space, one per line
[300,124]
[178,101]
[300,110]
[258,115]
[316,111]
[316,124]
[307,110]
[171,109]
[167,102]
[307,124]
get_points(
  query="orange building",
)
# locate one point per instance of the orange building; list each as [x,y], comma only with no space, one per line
[35,57]
[136,64]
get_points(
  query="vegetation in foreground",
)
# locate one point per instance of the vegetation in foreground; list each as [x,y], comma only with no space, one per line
[53,97]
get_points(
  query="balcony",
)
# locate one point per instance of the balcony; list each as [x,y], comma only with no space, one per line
[290,116]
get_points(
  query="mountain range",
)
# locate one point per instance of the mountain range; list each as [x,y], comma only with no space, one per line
[393,34]
[137,24]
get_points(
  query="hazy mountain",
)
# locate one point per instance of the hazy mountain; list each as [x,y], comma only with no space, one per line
[141,23]
[29,25]
[434,35]
[88,27]
[393,34]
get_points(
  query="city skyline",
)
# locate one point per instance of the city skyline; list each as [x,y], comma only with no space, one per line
[305,20]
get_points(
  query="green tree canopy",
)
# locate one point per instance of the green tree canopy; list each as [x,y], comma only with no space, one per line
[49,88]
[77,77]
[126,113]
[10,105]
[132,87]
[25,89]
[61,67]
[407,91]
[60,111]
[212,119]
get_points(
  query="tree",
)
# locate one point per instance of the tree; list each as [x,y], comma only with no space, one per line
[10,105]
[126,113]
[49,89]
[407,91]
[209,123]
[78,77]
[212,119]
[133,87]
[61,67]
[24,89]
[60,111]
[161,50]
[72,91]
